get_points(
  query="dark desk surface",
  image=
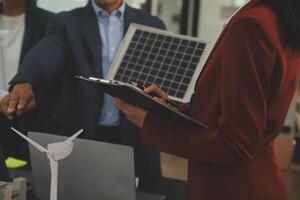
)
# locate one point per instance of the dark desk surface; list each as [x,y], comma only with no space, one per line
[172,189]
[148,196]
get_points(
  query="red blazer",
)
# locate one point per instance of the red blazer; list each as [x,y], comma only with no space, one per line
[243,94]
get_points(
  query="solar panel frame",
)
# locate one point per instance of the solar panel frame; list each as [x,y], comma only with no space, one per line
[127,41]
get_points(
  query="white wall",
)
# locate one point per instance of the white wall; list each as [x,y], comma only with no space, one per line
[168,9]
[60,5]
[212,19]
[63,5]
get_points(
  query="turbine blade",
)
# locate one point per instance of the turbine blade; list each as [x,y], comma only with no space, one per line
[35,144]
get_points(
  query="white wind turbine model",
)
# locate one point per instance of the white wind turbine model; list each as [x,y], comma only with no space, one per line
[55,152]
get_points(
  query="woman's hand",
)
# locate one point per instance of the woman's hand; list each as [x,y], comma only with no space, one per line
[159,94]
[133,113]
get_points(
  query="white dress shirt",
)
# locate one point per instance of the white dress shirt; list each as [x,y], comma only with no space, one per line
[111,33]
[11,37]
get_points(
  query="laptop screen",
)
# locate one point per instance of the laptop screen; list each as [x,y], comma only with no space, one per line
[94,170]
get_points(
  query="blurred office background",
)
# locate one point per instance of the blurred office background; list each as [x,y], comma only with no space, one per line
[205,19]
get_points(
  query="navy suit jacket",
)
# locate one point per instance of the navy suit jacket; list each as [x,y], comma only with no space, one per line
[72,46]
[36,22]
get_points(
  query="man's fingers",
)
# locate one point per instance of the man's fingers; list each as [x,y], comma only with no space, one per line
[1,107]
[23,102]
[12,103]
[31,104]
[28,105]
[26,97]
[4,107]
[4,104]
[23,105]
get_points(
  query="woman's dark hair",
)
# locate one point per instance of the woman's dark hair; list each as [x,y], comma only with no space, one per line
[288,12]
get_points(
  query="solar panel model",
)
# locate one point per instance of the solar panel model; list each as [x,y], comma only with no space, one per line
[152,56]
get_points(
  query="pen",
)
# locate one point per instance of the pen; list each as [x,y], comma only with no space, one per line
[168,102]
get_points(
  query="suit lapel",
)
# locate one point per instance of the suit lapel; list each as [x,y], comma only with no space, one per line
[129,17]
[89,26]
[91,33]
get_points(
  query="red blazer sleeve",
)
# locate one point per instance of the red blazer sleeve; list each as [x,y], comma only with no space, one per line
[247,60]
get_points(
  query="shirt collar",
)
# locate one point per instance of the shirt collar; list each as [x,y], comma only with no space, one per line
[98,10]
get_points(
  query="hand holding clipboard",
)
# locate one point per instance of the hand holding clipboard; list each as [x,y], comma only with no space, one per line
[134,94]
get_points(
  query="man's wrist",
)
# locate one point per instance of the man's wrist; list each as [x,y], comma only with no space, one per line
[23,85]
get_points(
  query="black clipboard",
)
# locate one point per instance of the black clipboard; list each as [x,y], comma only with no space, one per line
[136,96]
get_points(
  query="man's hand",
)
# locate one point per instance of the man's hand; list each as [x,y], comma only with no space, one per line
[133,113]
[18,101]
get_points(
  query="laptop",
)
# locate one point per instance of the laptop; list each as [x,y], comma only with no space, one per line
[4,175]
[94,170]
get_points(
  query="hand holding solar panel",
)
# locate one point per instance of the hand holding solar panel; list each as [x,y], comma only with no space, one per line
[150,56]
